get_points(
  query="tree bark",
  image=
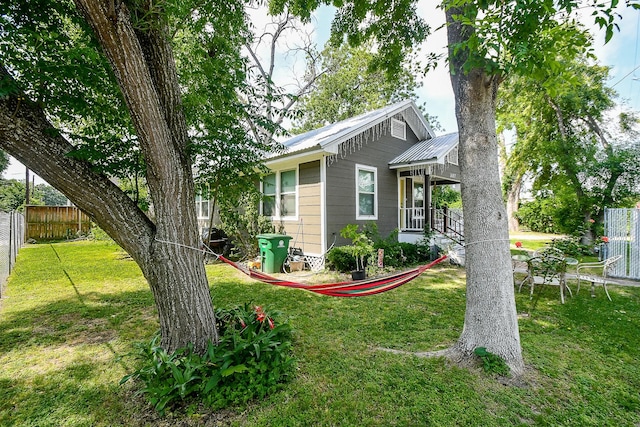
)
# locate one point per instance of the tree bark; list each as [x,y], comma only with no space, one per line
[144,67]
[490,316]
[145,70]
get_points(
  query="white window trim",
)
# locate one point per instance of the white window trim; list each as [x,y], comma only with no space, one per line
[278,194]
[396,125]
[375,193]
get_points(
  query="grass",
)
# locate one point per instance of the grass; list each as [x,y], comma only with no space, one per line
[73,311]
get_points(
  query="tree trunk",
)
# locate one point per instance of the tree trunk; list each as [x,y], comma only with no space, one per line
[175,274]
[490,316]
[144,67]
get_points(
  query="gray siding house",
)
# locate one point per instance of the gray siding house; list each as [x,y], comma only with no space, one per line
[379,166]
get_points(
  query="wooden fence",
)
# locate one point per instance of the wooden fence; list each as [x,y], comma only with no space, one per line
[55,222]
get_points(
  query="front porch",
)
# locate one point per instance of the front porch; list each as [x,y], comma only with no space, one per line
[415,221]
[427,164]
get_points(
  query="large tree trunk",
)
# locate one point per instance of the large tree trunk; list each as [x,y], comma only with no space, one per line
[144,67]
[175,274]
[490,317]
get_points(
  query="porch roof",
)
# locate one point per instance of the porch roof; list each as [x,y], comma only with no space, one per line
[429,151]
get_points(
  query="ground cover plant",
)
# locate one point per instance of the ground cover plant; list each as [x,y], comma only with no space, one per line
[74,311]
[251,361]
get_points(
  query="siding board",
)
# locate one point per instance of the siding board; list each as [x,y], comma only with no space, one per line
[341,186]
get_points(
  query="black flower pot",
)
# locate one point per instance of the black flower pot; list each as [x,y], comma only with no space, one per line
[358,275]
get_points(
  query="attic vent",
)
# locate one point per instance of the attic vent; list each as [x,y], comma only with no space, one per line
[398,129]
[452,157]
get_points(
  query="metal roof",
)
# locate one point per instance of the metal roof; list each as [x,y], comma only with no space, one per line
[339,132]
[429,151]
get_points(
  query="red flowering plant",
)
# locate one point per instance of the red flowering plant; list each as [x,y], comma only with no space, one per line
[604,239]
[252,360]
[518,245]
[243,319]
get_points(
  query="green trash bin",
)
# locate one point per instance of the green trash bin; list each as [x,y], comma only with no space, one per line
[273,251]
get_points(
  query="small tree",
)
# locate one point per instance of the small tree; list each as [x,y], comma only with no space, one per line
[362,245]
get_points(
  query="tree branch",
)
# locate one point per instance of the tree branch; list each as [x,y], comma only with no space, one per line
[27,135]
[595,127]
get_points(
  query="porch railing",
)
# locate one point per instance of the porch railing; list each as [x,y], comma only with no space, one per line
[412,219]
[448,222]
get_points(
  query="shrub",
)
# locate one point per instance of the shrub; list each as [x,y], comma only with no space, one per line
[537,215]
[251,361]
[396,254]
[571,246]
[492,363]
[341,258]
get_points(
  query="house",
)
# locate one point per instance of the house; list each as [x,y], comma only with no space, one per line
[379,166]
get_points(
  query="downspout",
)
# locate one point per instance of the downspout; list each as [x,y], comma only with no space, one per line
[323,205]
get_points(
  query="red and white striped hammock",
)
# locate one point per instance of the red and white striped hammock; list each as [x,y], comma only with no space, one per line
[358,288]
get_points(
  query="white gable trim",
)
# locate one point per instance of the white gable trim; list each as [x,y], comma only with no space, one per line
[415,123]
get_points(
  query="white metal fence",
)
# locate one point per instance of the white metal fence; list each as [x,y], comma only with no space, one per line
[11,239]
[622,227]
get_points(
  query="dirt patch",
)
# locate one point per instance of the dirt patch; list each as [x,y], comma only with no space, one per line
[145,414]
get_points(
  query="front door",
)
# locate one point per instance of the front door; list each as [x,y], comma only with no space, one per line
[412,203]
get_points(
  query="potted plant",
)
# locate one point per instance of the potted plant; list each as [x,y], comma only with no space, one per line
[362,247]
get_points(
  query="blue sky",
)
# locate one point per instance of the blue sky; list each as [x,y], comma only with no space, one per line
[622,53]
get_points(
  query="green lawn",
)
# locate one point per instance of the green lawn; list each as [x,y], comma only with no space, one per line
[72,312]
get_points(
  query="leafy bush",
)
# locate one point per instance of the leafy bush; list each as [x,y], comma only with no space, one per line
[251,361]
[571,246]
[341,258]
[492,363]
[537,215]
[396,254]
[551,215]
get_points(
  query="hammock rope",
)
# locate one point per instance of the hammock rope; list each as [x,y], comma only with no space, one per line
[359,288]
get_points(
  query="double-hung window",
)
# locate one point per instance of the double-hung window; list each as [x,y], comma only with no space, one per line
[202,206]
[288,193]
[366,193]
[279,194]
[269,195]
